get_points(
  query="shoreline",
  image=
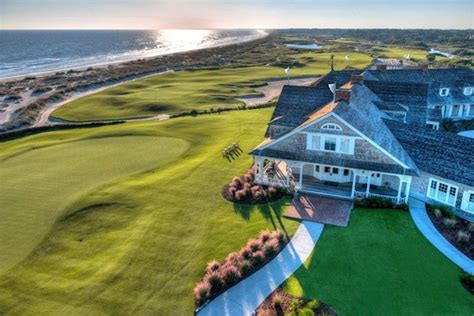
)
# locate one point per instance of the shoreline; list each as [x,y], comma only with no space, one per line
[259,35]
[21,107]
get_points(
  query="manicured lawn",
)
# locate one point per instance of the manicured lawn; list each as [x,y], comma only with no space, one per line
[136,236]
[187,90]
[381,265]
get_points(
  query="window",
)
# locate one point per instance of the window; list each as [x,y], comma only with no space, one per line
[316,168]
[335,170]
[467,91]
[331,126]
[330,144]
[345,145]
[442,192]
[468,202]
[443,92]
[333,143]
[327,169]
[346,172]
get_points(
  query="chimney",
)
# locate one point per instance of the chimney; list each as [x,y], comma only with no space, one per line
[342,95]
[357,79]
[381,67]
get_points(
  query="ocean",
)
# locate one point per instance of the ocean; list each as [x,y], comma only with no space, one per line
[25,53]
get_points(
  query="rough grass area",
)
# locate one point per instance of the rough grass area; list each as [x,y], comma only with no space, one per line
[137,245]
[182,91]
[379,264]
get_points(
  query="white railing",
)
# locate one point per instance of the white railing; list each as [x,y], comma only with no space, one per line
[272,181]
[361,195]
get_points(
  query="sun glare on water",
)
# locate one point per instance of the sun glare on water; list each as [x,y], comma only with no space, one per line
[182,40]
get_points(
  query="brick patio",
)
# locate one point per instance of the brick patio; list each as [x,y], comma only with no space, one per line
[320,209]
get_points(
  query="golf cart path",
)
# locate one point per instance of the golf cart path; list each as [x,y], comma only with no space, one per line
[244,297]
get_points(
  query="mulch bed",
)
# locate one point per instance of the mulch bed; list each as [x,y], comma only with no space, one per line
[249,199]
[468,284]
[267,308]
[466,248]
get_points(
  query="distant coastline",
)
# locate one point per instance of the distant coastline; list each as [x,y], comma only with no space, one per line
[47,52]
[24,100]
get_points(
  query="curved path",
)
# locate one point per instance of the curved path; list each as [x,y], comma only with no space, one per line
[426,227]
[247,295]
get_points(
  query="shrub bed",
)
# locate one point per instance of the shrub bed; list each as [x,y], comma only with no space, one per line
[245,191]
[379,202]
[280,303]
[220,276]
[457,231]
[467,280]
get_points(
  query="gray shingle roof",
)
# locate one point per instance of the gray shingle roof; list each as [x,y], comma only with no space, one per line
[442,154]
[412,95]
[390,106]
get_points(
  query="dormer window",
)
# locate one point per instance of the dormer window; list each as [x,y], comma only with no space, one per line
[443,92]
[467,91]
[332,127]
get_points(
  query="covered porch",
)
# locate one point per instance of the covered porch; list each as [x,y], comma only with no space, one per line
[335,181]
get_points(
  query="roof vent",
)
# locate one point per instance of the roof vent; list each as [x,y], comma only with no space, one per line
[357,79]
[342,95]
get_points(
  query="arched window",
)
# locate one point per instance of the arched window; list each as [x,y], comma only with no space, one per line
[332,127]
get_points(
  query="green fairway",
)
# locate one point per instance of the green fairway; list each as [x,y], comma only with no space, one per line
[138,243]
[39,183]
[381,264]
[177,92]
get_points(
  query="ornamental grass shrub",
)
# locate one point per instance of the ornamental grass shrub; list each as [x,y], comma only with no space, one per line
[449,222]
[219,276]
[462,236]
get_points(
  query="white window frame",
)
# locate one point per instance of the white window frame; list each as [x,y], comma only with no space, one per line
[465,202]
[436,194]
[331,127]
[312,144]
[467,91]
[444,92]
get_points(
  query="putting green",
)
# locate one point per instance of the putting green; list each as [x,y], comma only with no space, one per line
[39,184]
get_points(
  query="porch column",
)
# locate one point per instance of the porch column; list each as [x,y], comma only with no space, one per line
[258,161]
[353,184]
[399,189]
[368,185]
[407,189]
[300,180]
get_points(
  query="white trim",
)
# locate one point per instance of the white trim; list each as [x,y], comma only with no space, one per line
[436,193]
[444,92]
[331,127]
[322,141]
[465,201]
[467,91]
[298,129]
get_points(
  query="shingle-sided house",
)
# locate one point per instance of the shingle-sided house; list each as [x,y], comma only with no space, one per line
[368,138]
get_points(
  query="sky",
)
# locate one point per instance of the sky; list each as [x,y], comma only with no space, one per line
[161,14]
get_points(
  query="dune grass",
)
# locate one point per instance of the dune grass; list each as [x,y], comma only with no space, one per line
[381,264]
[182,91]
[138,243]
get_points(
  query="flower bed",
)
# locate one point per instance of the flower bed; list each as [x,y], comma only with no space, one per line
[456,230]
[280,303]
[245,191]
[220,276]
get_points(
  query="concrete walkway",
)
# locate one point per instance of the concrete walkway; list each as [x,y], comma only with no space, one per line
[426,227]
[246,296]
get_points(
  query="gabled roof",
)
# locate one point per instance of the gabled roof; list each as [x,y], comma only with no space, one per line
[447,77]
[296,103]
[412,95]
[390,106]
[456,79]
[442,154]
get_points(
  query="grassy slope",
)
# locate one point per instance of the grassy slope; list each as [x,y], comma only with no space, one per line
[140,244]
[29,177]
[187,90]
[381,263]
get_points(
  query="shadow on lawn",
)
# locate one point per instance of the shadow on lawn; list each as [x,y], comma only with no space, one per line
[272,212]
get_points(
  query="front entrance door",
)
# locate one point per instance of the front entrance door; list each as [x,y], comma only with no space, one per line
[332,174]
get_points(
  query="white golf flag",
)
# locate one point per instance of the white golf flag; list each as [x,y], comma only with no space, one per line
[347,57]
[332,87]
[287,70]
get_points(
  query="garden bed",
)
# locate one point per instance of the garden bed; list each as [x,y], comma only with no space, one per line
[457,231]
[221,276]
[280,303]
[244,190]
